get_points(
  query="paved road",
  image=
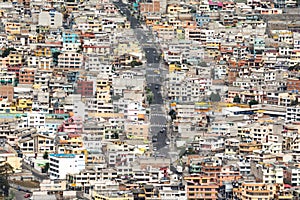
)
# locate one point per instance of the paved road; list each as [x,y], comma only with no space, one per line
[154,79]
[18,195]
[34,172]
[126,12]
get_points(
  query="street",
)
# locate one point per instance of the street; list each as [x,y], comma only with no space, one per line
[18,195]
[155,75]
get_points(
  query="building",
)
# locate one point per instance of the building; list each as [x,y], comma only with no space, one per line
[51,18]
[70,61]
[62,164]
[292,114]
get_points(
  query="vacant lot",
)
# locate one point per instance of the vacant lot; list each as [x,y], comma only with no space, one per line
[28,184]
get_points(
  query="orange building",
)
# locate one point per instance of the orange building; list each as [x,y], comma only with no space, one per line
[7,91]
[293,84]
[154,6]
[201,187]
[248,148]
[228,173]
[26,75]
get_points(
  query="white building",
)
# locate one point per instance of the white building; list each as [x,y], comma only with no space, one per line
[61,164]
[52,18]
[292,114]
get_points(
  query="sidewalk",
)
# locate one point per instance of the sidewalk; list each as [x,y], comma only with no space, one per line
[40,176]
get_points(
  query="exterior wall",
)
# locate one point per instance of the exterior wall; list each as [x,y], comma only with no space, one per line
[52,19]
[293,85]
[26,76]
[150,7]
[7,91]
[61,164]
[85,88]
[70,61]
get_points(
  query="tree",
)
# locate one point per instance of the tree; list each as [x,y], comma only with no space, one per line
[236,99]
[7,51]
[46,168]
[5,171]
[215,97]
[150,98]
[253,102]
[295,102]
[46,155]
[172,113]
[135,63]
[55,57]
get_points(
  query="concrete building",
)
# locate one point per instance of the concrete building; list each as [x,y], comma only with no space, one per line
[51,18]
[61,164]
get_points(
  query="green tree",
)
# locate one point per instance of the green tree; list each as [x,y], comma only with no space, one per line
[46,155]
[295,102]
[55,57]
[46,168]
[253,102]
[7,51]
[236,99]
[172,114]
[215,97]
[5,171]
[135,63]
[150,97]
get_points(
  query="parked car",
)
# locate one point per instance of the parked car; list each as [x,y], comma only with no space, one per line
[27,195]
[154,139]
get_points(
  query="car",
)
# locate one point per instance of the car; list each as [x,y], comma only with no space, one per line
[154,139]
[27,195]
[154,149]
[156,87]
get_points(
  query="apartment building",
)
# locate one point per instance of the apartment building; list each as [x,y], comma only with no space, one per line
[293,114]
[26,75]
[7,78]
[253,190]
[61,164]
[70,61]
[201,187]
[268,173]
[51,18]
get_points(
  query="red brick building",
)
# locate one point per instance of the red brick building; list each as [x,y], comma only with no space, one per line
[26,75]
[85,88]
[150,7]
[293,84]
[7,91]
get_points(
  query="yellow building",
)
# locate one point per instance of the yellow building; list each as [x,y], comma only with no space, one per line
[77,151]
[12,159]
[248,148]
[103,88]
[174,67]
[256,191]
[174,9]
[13,28]
[43,52]
[14,58]
[21,105]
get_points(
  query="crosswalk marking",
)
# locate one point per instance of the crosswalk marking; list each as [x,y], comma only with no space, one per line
[158,114]
[158,125]
[153,75]
[152,68]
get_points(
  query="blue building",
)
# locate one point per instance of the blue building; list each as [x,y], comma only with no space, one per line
[201,19]
[70,38]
